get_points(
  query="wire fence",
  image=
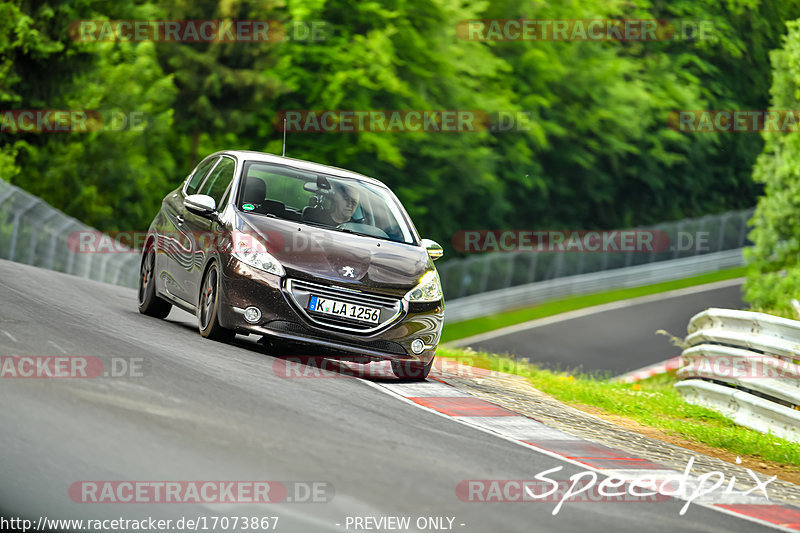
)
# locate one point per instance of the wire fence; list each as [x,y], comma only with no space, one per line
[35,233]
[500,270]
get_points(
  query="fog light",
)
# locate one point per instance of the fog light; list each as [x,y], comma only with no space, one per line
[417,346]
[252,314]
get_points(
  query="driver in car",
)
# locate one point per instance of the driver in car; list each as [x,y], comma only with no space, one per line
[343,204]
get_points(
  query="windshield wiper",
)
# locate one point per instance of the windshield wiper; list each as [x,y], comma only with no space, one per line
[335,228]
[350,231]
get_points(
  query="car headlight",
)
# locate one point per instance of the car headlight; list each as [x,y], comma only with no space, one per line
[262,260]
[429,289]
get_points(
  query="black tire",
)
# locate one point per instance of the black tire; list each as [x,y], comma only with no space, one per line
[149,302]
[411,370]
[208,307]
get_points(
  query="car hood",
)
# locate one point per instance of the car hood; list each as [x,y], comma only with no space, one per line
[314,253]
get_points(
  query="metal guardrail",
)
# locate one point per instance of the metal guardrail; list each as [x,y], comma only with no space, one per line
[498,301]
[486,272]
[35,233]
[746,366]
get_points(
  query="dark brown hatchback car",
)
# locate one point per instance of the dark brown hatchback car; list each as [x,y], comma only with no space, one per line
[300,253]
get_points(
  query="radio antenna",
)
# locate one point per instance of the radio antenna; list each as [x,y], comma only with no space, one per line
[283,154]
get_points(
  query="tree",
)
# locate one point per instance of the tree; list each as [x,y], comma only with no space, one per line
[221,85]
[774,275]
[110,176]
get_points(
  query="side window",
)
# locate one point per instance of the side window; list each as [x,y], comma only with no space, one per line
[217,182]
[200,173]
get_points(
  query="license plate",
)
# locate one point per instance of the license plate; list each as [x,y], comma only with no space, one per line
[361,313]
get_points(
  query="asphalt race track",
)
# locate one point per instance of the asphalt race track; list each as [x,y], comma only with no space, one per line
[612,341]
[207,411]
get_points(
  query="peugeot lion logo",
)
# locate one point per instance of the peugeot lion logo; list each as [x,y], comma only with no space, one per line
[348,271]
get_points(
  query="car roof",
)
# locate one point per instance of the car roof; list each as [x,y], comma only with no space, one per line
[248,155]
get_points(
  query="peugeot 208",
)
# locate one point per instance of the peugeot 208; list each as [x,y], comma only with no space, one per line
[300,253]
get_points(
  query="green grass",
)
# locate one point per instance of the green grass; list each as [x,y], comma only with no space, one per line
[467,328]
[653,402]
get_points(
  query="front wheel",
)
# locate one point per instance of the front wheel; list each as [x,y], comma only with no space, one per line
[149,302]
[207,311]
[411,370]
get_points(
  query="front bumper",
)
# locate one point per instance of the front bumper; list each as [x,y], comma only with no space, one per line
[281,318]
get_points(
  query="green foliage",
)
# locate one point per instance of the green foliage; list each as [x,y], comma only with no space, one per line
[610,159]
[403,57]
[221,84]
[774,276]
[107,178]
[597,153]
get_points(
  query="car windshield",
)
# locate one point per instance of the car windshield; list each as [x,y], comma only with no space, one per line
[342,204]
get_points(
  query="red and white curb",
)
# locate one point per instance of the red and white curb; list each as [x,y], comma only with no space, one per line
[447,401]
[673,363]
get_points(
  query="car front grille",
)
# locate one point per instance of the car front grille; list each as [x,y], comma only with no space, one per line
[301,292]
[299,329]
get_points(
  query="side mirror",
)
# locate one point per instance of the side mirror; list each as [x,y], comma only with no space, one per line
[201,204]
[433,247]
